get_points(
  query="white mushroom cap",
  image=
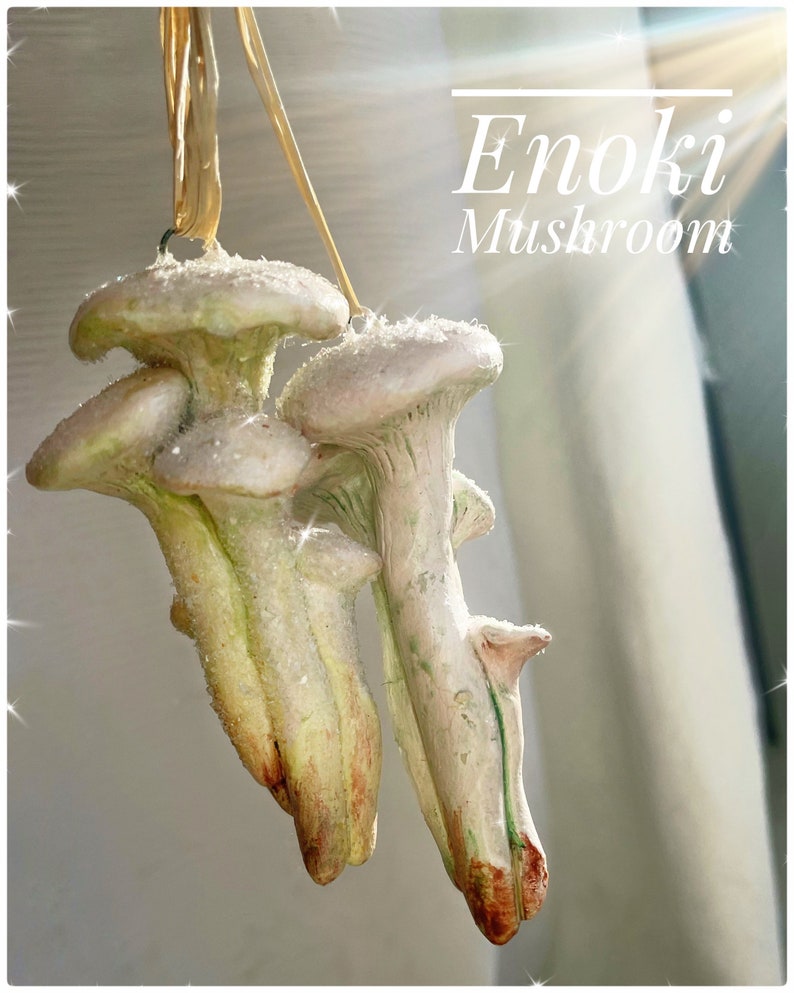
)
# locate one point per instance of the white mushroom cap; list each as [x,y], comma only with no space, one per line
[328,557]
[385,371]
[503,647]
[113,432]
[252,456]
[218,294]
[473,512]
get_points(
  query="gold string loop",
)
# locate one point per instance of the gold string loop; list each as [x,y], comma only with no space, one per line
[262,75]
[191,90]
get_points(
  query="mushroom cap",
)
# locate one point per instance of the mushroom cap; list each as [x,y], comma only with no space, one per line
[122,425]
[254,456]
[503,648]
[328,557]
[387,370]
[473,512]
[218,294]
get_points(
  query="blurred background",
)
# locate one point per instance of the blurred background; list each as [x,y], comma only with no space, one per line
[634,447]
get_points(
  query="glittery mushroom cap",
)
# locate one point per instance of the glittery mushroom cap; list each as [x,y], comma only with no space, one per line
[112,435]
[385,371]
[252,456]
[329,557]
[219,295]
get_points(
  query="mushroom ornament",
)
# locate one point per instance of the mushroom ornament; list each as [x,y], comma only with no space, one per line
[392,394]
[271,523]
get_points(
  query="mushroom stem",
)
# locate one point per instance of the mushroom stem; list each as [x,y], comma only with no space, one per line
[444,677]
[207,586]
[334,568]
[244,469]
[256,535]
[108,445]
[335,487]
[224,374]
[503,648]
[407,733]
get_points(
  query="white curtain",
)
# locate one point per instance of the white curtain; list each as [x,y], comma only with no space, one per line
[140,852]
[659,849]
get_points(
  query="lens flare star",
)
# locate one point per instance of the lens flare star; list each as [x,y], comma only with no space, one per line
[13,191]
[17,625]
[13,49]
[13,712]
[782,684]
[305,533]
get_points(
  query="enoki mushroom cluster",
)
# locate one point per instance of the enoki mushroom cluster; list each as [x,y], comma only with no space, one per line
[270,525]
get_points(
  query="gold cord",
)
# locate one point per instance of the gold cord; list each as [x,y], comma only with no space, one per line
[191,90]
[262,75]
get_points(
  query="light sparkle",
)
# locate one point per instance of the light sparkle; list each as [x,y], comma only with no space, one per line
[537,982]
[13,50]
[17,625]
[500,142]
[305,533]
[783,682]
[13,191]
[732,227]
[599,141]
[11,708]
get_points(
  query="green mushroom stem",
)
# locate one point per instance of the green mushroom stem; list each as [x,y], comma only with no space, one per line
[244,470]
[108,446]
[334,568]
[503,649]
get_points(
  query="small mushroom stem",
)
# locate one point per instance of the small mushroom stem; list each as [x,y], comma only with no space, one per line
[334,568]
[244,469]
[224,374]
[209,590]
[256,534]
[503,648]
[406,729]
[336,488]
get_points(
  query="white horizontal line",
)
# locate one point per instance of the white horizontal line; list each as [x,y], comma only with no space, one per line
[592,93]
